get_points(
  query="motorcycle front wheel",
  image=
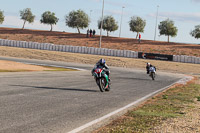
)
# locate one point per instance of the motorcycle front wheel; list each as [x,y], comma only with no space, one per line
[102,83]
[153,76]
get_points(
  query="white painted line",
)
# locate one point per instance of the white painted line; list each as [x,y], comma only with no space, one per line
[118,110]
[54,66]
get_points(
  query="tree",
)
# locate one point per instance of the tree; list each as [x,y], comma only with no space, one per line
[27,15]
[77,19]
[167,28]
[1,17]
[137,24]
[109,24]
[196,32]
[49,18]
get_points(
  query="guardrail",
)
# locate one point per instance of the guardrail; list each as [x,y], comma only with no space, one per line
[68,48]
[95,51]
[186,59]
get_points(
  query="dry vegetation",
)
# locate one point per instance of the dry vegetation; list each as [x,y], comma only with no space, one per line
[64,38]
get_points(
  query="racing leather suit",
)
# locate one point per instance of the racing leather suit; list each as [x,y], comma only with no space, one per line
[147,68]
[103,66]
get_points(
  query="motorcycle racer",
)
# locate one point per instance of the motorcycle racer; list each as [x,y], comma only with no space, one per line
[102,64]
[148,66]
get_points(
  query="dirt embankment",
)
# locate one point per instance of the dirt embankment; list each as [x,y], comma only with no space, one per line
[64,38]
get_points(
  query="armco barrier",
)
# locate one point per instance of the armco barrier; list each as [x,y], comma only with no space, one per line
[196,60]
[193,59]
[125,53]
[182,58]
[96,51]
[189,59]
[9,42]
[128,53]
[89,50]
[179,58]
[112,52]
[102,51]
[186,59]
[175,58]
[62,48]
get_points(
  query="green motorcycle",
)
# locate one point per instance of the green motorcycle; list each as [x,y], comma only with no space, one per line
[101,79]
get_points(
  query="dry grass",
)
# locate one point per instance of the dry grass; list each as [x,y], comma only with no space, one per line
[173,111]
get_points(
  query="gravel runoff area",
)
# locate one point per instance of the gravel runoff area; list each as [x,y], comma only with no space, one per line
[182,124]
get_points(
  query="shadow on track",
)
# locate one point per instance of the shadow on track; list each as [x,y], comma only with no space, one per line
[53,88]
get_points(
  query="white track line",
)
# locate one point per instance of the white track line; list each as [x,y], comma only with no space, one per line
[121,109]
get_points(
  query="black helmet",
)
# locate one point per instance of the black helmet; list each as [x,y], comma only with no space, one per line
[102,61]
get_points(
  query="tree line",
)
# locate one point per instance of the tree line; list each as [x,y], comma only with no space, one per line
[80,20]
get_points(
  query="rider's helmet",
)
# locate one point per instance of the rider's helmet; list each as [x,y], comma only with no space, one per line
[148,64]
[102,61]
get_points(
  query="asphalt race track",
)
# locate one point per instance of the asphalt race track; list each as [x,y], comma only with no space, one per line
[58,102]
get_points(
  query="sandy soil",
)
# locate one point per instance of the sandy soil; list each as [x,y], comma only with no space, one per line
[64,38]
[10,65]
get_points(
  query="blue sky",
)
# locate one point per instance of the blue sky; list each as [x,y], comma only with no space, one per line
[184,13]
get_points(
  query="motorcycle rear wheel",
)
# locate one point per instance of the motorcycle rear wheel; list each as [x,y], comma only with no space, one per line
[107,89]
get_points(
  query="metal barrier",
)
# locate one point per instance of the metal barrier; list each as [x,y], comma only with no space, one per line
[89,50]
